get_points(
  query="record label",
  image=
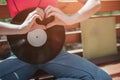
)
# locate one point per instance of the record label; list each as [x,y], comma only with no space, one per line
[37,37]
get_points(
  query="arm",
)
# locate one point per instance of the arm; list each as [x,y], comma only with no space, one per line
[10,29]
[90,7]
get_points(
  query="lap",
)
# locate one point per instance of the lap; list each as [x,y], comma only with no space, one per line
[13,68]
[65,66]
[72,66]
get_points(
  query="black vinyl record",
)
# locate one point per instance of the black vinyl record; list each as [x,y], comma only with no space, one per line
[37,55]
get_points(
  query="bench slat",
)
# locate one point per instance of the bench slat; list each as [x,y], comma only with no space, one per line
[4,12]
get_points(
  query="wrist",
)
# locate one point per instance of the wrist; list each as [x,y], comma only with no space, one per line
[21,30]
[23,25]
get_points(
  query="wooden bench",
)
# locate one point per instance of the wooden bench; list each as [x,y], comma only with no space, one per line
[110,63]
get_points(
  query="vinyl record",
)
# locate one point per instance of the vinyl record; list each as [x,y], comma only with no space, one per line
[33,47]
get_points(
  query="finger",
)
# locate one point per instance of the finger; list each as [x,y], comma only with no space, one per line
[31,14]
[40,12]
[48,10]
[51,8]
[40,16]
[33,18]
[57,15]
[40,27]
[36,11]
[43,27]
[50,25]
[29,21]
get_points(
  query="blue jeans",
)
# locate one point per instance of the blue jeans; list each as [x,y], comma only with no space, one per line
[65,66]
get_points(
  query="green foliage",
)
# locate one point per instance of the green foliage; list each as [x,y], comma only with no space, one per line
[2,1]
[107,13]
[6,20]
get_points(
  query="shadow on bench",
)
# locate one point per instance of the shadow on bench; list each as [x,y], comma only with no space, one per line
[42,75]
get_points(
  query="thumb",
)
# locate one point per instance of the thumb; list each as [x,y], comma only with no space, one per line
[50,25]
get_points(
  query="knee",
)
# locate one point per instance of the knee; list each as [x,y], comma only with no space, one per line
[102,75]
[11,76]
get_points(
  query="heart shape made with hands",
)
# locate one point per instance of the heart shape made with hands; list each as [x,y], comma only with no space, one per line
[21,47]
[45,21]
[25,13]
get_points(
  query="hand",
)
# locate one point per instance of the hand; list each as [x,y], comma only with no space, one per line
[60,17]
[30,21]
[37,13]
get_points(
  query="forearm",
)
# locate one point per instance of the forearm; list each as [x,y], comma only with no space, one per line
[26,26]
[90,7]
[8,31]
[10,26]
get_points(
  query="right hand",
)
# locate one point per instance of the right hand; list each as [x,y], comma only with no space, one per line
[60,17]
[28,24]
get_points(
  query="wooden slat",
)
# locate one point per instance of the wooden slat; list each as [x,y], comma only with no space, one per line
[73,37]
[113,69]
[4,13]
[116,78]
[72,7]
[100,61]
[118,19]
[79,51]
[69,27]
[118,32]
[110,6]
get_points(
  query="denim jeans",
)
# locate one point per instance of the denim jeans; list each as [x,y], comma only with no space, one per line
[65,66]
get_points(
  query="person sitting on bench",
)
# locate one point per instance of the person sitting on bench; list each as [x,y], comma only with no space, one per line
[64,66]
